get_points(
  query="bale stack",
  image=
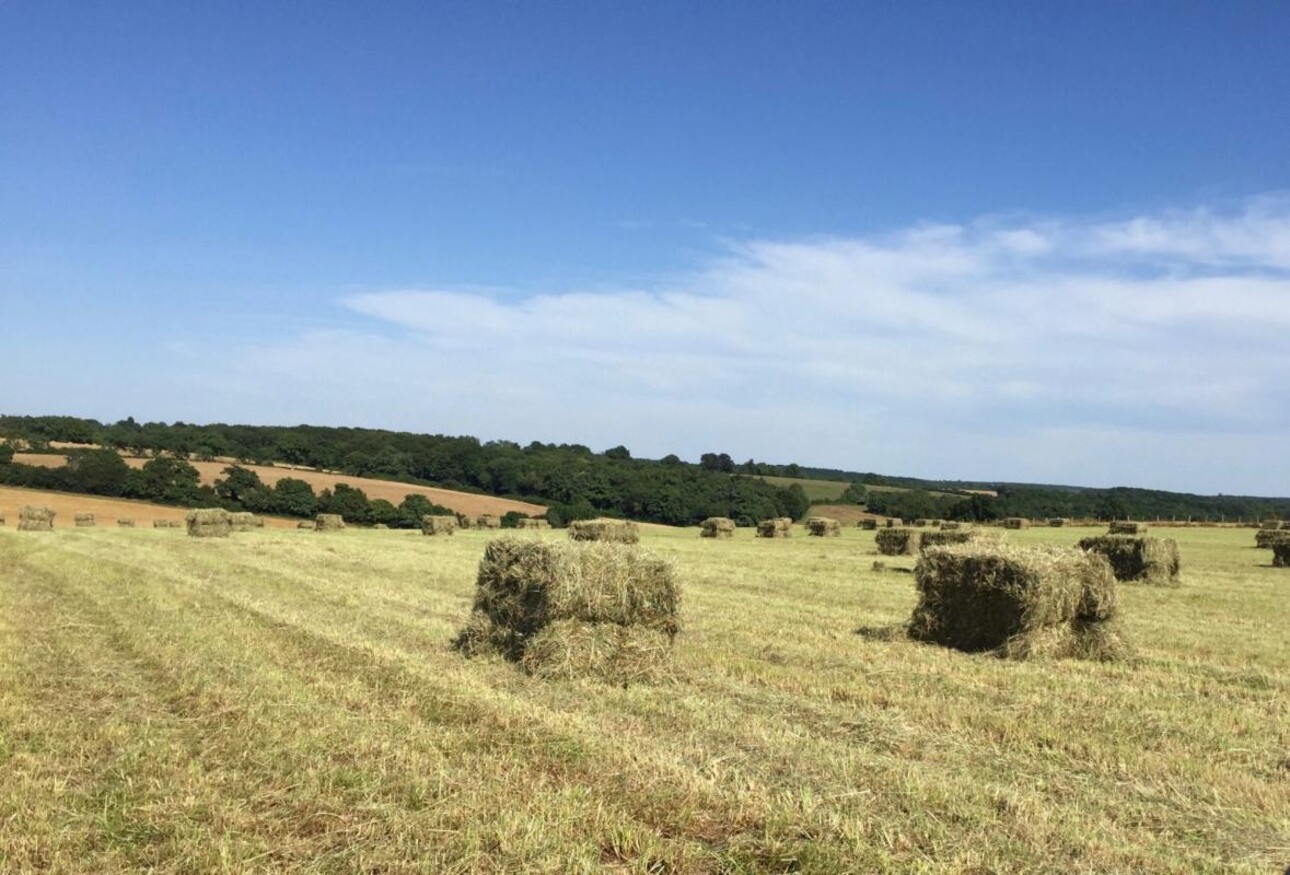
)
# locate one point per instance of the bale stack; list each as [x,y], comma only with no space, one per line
[83,520]
[33,518]
[778,527]
[533,523]
[717,527]
[823,527]
[1017,602]
[329,522]
[1144,560]
[438,524]
[868,525]
[125,522]
[488,521]
[616,531]
[898,542]
[1016,522]
[1057,522]
[208,523]
[574,609]
[1127,527]
[1266,539]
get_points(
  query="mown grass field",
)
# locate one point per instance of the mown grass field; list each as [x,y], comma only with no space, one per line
[287,702]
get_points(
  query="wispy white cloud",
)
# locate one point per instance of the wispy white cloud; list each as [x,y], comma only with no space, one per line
[1149,350]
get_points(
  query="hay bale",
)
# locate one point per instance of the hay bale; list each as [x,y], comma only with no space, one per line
[465,522]
[161,524]
[33,518]
[329,522]
[895,522]
[1145,560]
[879,565]
[549,597]
[381,527]
[1017,602]
[488,521]
[920,523]
[305,524]
[778,527]
[438,524]
[1057,522]
[125,522]
[1266,539]
[950,525]
[616,531]
[1016,522]
[1281,554]
[84,520]
[532,523]
[1126,527]
[868,525]
[898,542]
[823,527]
[208,523]
[717,527]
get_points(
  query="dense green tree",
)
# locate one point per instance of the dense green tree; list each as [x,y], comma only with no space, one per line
[294,497]
[167,480]
[101,472]
[242,488]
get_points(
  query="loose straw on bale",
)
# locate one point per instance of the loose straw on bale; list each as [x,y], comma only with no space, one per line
[1017,602]
[329,522]
[36,519]
[898,542]
[208,523]
[617,531]
[574,609]
[823,527]
[1146,560]
[83,520]
[717,527]
[438,524]
[778,527]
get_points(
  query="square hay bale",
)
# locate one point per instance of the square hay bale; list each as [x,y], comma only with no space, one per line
[34,518]
[1016,522]
[488,521]
[161,524]
[950,525]
[329,522]
[1147,560]
[438,524]
[539,603]
[823,527]
[532,523]
[208,523]
[1281,554]
[242,521]
[920,523]
[778,527]
[83,520]
[465,522]
[1126,527]
[1017,602]
[1266,539]
[381,527]
[617,531]
[305,524]
[894,522]
[125,522]
[717,527]
[868,525]
[1057,522]
[898,542]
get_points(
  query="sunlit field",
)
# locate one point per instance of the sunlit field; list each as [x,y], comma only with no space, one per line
[285,701]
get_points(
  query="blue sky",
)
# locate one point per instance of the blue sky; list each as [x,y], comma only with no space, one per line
[1024,241]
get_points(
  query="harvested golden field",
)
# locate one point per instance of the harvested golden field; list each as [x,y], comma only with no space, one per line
[106,510]
[463,502]
[287,702]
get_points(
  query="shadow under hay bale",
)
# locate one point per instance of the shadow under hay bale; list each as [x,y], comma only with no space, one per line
[1141,560]
[868,525]
[242,521]
[717,527]
[1281,555]
[32,518]
[539,603]
[777,527]
[1126,527]
[1017,602]
[488,521]
[823,527]
[1016,522]
[898,542]
[438,524]
[84,520]
[208,523]
[614,531]
[329,522]
[125,522]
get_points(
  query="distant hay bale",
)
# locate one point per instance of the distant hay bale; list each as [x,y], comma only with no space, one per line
[823,527]
[532,523]
[1145,560]
[1266,539]
[950,525]
[438,524]
[898,542]
[1126,527]
[868,525]
[1057,522]
[777,527]
[1017,602]
[894,522]
[616,531]
[1016,522]
[488,521]
[33,518]
[125,522]
[879,565]
[574,609]
[84,520]
[163,524]
[920,523]
[465,522]
[1,519]
[305,524]
[242,521]
[1281,554]
[208,523]
[329,522]
[717,527]
[380,527]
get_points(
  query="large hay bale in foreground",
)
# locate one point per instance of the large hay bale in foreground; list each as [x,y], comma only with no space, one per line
[488,521]
[208,523]
[438,524]
[125,522]
[898,542]
[1126,527]
[1016,522]
[84,520]
[1017,602]
[868,525]
[1266,539]
[778,527]
[243,521]
[33,518]
[1147,560]
[1281,554]
[616,531]
[717,527]
[539,603]
[823,527]
[329,522]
